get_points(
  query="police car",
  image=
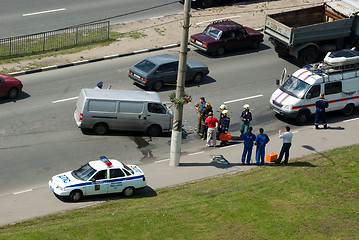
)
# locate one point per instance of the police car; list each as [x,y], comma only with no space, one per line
[98,177]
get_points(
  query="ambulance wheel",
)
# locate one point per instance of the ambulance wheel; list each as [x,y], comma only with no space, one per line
[348,109]
[197,78]
[154,130]
[100,128]
[75,195]
[128,191]
[302,117]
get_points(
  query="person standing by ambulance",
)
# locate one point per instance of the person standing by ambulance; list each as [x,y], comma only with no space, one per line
[246,118]
[261,142]
[212,123]
[321,104]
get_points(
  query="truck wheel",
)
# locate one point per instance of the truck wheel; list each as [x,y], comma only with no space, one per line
[348,109]
[154,130]
[220,51]
[12,93]
[100,128]
[75,196]
[157,86]
[197,78]
[302,117]
[128,191]
[307,56]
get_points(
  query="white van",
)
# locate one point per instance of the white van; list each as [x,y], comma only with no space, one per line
[336,77]
[103,110]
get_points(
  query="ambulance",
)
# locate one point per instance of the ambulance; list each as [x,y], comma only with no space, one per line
[337,77]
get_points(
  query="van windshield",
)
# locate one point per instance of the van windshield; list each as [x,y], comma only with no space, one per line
[295,87]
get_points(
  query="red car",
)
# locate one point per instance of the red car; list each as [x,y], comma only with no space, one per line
[227,35]
[9,86]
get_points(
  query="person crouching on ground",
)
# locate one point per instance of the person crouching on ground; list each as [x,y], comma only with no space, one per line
[211,122]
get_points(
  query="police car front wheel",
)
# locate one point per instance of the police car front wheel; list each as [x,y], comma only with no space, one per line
[75,196]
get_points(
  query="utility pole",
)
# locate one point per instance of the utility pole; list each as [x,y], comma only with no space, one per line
[176,137]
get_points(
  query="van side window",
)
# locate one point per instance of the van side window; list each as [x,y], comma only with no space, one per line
[314,91]
[102,106]
[331,88]
[156,108]
[115,173]
[131,107]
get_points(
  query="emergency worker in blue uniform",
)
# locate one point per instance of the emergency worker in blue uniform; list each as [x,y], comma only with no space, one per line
[261,142]
[248,138]
[321,104]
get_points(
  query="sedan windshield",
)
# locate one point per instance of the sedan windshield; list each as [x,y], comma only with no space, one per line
[212,32]
[84,172]
[145,66]
[295,87]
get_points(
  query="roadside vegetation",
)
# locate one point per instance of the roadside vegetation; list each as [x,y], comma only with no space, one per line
[313,197]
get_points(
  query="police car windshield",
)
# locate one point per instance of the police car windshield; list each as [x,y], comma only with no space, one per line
[212,32]
[295,87]
[84,172]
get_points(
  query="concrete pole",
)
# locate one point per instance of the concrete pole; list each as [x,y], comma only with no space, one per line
[176,137]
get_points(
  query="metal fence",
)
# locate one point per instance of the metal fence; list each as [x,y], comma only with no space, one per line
[54,40]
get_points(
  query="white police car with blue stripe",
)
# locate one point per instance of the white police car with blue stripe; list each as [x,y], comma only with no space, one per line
[98,177]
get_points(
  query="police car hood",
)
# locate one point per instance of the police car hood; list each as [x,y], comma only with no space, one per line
[65,179]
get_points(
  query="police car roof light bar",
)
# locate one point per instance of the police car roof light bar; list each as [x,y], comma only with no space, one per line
[106,161]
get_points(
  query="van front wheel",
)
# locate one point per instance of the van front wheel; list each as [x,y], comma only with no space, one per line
[154,130]
[303,117]
[100,128]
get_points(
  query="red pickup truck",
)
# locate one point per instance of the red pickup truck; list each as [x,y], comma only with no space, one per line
[221,36]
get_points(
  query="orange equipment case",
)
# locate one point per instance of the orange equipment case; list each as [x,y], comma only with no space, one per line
[225,136]
[271,157]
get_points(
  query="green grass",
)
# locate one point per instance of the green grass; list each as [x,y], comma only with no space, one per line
[313,197]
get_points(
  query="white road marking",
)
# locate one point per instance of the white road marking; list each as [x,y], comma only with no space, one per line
[28,190]
[228,146]
[191,154]
[48,11]
[241,99]
[349,120]
[64,100]
[210,21]
[164,160]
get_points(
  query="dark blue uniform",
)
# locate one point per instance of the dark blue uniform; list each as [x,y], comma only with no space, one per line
[321,104]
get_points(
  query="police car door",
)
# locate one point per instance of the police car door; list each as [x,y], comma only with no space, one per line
[98,184]
[117,179]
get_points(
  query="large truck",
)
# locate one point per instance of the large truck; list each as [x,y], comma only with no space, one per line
[308,34]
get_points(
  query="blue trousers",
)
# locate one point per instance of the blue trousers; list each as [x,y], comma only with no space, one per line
[260,155]
[244,127]
[247,151]
[320,115]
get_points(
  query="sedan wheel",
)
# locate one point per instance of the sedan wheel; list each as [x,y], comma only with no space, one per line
[220,51]
[76,195]
[157,86]
[197,78]
[12,93]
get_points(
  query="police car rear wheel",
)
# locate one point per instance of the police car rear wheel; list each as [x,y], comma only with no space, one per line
[128,191]
[76,195]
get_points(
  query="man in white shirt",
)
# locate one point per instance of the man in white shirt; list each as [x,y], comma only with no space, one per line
[287,143]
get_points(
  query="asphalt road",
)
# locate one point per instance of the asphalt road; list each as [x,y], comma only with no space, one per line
[19,17]
[39,137]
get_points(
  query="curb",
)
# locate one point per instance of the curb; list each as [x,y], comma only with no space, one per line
[93,60]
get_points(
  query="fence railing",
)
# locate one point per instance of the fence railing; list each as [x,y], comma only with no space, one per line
[53,40]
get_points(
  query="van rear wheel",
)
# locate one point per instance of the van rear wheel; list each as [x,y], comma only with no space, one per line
[348,109]
[100,128]
[154,130]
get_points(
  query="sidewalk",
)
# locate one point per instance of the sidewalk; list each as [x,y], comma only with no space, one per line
[194,166]
[198,165]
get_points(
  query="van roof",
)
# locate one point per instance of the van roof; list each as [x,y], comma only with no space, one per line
[121,95]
